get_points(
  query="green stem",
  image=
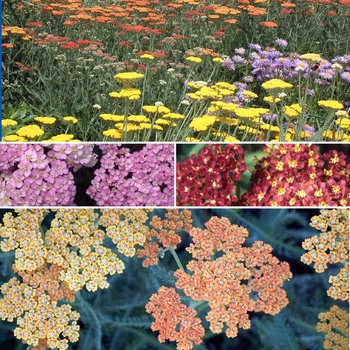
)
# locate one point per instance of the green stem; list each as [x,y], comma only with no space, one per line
[178,262]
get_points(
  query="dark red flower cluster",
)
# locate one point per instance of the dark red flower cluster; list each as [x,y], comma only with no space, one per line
[209,179]
[299,175]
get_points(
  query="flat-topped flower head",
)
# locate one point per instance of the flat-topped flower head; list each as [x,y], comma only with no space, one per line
[276,85]
[311,57]
[128,78]
[330,104]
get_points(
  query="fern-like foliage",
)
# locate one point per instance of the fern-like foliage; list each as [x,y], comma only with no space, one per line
[164,275]
[276,333]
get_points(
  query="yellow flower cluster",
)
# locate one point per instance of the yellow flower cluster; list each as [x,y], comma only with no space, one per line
[202,123]
[194,59]
[70,119]
[8,122]
[330,104]
[128,78]
[311,57]
[45,120]
[30,131]
[55,264]
[293,110]
[276,85]
[127,93]
[331,247]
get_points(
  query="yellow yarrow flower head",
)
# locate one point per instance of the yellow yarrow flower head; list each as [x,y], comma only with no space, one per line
[247,113]
[113,133]
[202,123]
[112,117]
[70,119]
[156,109]
[45,120]
[224,85]
[8,122]
[62,138]
[14,138]
[138,119]
[272,99]
[276,85]
[127,93]
[30,131]
[293,110]
[147,56]
[218,60]
[330,104]
[129,127]
[173,116]
[311,57]
[194,59]
[249,94]
[128,78]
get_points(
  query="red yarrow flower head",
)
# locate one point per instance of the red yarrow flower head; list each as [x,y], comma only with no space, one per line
[209,179]
[299,175]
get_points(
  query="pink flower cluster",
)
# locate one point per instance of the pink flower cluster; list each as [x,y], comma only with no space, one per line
[141,178]
[41,175]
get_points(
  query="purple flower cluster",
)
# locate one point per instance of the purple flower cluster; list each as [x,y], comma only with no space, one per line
[41,175]
[141,178]
[269,63]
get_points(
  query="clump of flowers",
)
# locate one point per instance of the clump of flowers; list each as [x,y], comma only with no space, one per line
[141,178]
[209,179]
[163,235]
[331,246]
[233,280]
[55,264]
[174,320]
[335,323]
[33,174]
[299,175]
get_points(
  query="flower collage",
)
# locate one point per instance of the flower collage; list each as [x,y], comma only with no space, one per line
[175,175]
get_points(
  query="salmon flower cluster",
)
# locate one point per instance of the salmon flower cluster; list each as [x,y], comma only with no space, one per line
[233,280]
[164,235]
[174,320]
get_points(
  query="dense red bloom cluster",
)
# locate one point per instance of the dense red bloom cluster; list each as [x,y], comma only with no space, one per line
[174,320]
[233,279]
[163,235]
[299,175]
[209,179]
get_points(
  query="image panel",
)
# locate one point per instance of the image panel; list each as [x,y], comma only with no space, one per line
[82,174]
[275,175]
[129,71]
[122,278]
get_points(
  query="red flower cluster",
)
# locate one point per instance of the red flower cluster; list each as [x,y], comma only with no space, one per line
[174,321]
[299,175]
[209,179]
